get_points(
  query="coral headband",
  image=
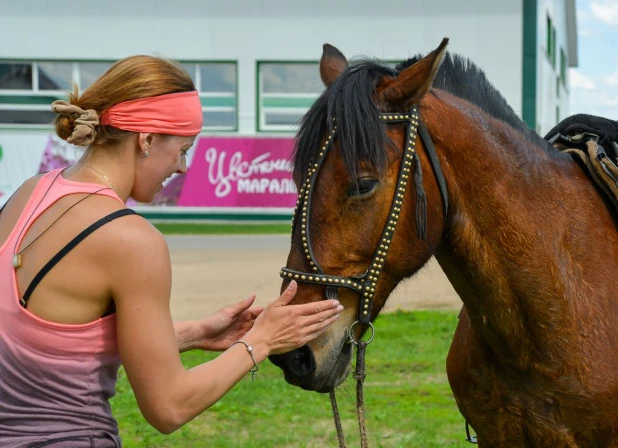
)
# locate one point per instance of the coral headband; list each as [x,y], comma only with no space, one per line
[172,114]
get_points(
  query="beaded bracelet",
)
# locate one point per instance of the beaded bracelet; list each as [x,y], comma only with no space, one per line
[250,350]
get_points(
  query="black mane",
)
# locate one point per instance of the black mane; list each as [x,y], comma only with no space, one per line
[362,135]
[464,79]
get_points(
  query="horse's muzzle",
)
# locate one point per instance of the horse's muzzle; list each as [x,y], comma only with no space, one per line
[298,366]
[300,369]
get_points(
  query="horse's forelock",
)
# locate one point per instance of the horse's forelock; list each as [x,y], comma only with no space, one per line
[361,135]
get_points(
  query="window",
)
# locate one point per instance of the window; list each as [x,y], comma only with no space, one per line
[557,86]
[563,66]
[286,90]
[551,42]
[216,82]
[89,72]
[553,47]
[549,45]
[27,89]
[557,114]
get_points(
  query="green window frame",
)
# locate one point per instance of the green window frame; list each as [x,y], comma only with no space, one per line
[563,62]
[553,49]
[285,91]
[549,43]
[28,87]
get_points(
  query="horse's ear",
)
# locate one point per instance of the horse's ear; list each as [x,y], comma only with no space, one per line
[415,81]
[332,64]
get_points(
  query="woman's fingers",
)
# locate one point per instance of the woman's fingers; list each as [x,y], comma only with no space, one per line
[322,324]
[287,295]
[315,308]
[323,314]
[319,327]
[312,326]
[255,312]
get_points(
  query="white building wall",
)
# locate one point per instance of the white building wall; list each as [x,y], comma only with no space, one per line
[487,31]
[552,95]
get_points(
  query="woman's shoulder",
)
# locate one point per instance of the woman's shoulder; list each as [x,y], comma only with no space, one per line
[130,234]
[19,198]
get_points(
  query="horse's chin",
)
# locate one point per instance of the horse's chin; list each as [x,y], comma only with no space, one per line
[339,372]
[336,376]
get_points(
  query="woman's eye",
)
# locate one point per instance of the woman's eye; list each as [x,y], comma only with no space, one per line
[362,188]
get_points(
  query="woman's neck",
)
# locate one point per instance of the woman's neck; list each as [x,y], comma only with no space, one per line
[111,166]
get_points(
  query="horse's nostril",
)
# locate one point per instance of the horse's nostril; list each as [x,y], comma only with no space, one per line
[299,363]
[302,363]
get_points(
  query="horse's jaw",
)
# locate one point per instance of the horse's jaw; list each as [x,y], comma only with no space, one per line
[340,369]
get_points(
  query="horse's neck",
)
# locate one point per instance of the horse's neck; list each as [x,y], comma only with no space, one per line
[512,241]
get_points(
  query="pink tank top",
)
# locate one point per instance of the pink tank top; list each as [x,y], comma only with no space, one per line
[55,379]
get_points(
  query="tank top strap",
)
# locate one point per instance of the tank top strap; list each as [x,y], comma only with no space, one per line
[43,185]
[52,187]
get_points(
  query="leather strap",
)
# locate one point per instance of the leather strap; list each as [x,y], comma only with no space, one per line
[435,165]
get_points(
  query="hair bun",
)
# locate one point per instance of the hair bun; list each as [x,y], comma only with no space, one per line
[73,124]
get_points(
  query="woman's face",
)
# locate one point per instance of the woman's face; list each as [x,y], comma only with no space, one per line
[167,155]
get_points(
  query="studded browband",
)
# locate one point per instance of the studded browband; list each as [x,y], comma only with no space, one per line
[365,284]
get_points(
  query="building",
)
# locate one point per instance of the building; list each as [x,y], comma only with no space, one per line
[255,63]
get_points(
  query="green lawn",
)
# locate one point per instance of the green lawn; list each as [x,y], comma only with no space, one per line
[408,400]
[221,229]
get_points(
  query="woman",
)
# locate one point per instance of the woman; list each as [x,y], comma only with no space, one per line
[85,283]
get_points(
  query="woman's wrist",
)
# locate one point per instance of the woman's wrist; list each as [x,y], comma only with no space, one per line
[187,333]
[261,349]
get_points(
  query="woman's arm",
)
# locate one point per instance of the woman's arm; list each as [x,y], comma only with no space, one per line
[218,331]
[169,395]
[188,335]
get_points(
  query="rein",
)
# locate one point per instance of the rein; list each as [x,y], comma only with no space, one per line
[365,284]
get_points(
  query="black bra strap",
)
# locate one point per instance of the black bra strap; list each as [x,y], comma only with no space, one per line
[70,246]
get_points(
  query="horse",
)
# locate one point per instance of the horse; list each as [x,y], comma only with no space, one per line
[394,166]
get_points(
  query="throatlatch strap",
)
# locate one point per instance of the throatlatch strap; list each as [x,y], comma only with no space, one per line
[69,247]
[435,165]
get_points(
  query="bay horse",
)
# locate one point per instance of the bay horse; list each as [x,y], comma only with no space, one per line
[527,240]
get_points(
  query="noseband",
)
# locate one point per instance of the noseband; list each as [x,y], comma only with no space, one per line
[365,284]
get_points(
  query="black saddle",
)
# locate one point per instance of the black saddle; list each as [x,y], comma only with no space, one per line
[576,130]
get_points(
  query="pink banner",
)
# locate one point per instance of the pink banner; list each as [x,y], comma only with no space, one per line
[240,172]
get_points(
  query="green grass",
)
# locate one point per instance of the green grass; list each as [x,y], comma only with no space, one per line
[407,397]
[221,229]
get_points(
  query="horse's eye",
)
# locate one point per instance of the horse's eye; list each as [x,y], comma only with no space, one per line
[362,187]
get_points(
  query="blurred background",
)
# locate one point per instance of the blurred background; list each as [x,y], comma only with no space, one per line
[255,65]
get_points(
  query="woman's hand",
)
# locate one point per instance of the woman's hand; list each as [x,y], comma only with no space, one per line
[283,327]
[227,325]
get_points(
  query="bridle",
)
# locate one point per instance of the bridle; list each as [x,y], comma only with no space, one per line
[366,284]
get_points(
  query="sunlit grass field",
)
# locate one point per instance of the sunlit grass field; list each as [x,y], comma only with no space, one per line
[407,397]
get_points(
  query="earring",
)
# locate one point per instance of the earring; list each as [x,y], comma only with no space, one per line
[145,152]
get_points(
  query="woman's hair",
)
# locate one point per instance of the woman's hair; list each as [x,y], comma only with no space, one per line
[131,78]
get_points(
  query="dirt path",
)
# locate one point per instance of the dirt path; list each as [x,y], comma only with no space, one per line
[212,272]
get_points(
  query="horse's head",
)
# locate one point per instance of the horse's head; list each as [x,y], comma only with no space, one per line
[360,222]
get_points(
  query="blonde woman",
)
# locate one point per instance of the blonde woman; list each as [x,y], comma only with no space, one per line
[85,282]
